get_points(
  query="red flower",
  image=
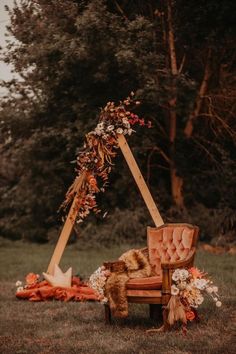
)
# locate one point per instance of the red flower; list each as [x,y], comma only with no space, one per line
[141,122]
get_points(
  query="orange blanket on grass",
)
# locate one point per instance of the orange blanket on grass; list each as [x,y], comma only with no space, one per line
[43,291]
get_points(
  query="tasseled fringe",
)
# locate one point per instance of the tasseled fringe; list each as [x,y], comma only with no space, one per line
[176,310]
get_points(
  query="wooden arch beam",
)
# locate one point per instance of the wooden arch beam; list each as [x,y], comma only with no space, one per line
[67,227]
[138,177]
[69,223]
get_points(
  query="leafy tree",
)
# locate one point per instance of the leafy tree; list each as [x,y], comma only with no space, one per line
[74,56]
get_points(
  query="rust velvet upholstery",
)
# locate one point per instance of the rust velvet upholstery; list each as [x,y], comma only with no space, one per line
[148,283]
[170,246]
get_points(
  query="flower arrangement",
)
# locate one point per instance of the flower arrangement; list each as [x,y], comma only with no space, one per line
[188,290]
[97,282]
[30,280]
[61,287]
[99,149]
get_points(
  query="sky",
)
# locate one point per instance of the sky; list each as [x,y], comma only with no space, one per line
[5,70]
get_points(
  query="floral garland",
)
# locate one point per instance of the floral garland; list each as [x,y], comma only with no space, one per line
[188,290]
[99,149]
[30,280]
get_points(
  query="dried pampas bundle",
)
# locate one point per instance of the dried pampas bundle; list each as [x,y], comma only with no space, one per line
[176,310]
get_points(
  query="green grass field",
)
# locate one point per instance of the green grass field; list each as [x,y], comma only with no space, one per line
[56,327]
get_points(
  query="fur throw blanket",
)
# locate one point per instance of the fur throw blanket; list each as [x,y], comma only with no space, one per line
[132,264]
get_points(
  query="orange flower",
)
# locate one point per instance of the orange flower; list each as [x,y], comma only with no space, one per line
[196,273]
[31,278]
[190,315]
[92,182]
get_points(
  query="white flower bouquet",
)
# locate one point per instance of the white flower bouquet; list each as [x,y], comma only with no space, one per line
[97,282]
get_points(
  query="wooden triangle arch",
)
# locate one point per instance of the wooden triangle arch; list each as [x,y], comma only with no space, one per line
[69,223]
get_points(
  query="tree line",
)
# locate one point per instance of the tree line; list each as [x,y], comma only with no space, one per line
[72,57]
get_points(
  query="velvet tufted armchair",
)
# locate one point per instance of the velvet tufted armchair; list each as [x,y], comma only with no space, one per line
[170,246]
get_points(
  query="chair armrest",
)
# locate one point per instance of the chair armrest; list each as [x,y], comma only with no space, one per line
[180,264]
[168,268]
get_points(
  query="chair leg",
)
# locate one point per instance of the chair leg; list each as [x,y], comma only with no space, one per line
[166,326]
[155,311]
[107,314]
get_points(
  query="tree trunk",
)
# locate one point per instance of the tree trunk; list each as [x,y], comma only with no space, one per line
[199,100]
[176,181]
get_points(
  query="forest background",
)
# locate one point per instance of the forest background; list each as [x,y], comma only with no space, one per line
[72,57]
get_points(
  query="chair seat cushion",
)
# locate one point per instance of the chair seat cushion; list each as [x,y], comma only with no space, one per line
[145,283]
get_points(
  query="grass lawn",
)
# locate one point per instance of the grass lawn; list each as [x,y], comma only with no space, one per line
[56,327]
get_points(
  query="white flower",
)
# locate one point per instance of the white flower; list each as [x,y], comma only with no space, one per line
[209,290]
[104,300]
[200,283]
[130,131]
[19,289]
[110,128]
[215,289]
[176,275]
[174,290]
[98,131]
[100,125]
[105,136]
[199,300]
[18,283]
[183,274]
[194,306]
[126,123]
[119,130]
[218,303]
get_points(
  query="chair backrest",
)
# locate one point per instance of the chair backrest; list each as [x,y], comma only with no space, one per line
[170,243]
